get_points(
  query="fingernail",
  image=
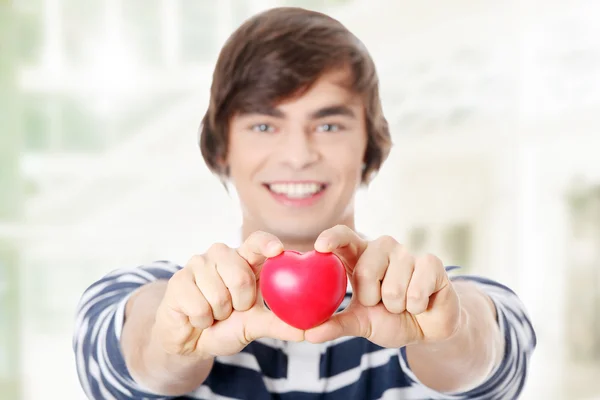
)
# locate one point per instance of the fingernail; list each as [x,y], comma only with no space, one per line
[274,247]
[322,245]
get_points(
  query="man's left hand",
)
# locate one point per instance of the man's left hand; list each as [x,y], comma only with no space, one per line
[398,299]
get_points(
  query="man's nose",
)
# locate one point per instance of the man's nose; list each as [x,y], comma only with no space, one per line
[299,150]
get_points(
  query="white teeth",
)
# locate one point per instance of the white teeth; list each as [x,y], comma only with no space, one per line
[296,190]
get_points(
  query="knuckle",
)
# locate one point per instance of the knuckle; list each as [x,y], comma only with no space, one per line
[260,236]
[344,231]
[217,249]
[222,302]
[365,274]
[340,228]
[197,261]
[431,260]
[402,255]
[199,310]
[387,242]
[258,240]
[334,231]
[414,294]
[243,280]
[393,292]
[179,278]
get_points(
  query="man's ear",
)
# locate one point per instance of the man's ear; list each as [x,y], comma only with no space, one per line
[223,166]
[223,172]
[365,175]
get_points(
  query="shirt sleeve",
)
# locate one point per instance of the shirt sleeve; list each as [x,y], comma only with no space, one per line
[508,379]
[99,320]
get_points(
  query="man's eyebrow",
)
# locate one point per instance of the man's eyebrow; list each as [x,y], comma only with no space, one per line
[330,111]
[263,110]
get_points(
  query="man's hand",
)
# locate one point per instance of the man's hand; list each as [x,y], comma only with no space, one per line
[397,300]
[174,329]
[449,329]
[213,307]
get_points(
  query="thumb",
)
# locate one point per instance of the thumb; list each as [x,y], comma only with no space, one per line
[262,323]
[350,322]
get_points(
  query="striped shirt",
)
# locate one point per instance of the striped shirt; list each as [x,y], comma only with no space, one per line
[344,369]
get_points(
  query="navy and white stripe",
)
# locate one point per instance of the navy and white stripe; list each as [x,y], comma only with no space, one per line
[347,368]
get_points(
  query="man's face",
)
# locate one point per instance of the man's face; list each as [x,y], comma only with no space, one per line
[296,167]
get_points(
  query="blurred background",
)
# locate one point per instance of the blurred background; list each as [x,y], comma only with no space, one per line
[495,111]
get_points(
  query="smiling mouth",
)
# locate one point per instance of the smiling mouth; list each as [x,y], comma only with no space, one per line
[296,190]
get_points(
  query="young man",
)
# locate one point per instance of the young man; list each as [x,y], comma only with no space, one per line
[295,124]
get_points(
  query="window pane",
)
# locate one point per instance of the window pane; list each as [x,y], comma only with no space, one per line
[457,244]
[142,18]
[583,286]
[198,30]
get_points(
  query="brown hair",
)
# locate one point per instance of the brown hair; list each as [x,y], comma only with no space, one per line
[278,54]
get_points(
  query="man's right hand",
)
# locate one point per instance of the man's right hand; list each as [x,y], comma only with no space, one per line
[213,306]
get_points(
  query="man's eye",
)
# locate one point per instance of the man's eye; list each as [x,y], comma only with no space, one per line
[328,128]
[262,128]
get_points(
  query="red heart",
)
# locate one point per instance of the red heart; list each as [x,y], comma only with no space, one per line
[303,290]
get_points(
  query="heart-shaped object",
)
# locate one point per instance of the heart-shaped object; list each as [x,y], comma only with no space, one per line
[303,289]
